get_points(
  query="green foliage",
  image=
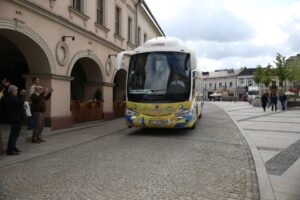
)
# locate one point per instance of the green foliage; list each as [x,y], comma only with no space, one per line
[258,74]
[267,73]
[281,68]
[293,68]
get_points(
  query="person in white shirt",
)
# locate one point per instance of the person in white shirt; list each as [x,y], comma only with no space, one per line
[27,105]
[36,82]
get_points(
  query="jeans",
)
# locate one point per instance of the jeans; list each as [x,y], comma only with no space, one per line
[15,128]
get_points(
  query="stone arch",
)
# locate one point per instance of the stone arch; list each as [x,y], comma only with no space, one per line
[86,87]
[24,37]
[90,55]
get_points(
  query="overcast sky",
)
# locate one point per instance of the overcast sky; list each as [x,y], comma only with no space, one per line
[232,33]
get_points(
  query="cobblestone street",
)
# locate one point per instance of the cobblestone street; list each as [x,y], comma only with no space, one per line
[210,162]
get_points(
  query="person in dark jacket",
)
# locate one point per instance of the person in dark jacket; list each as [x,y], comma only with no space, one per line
[274,100]
[282,99]
[264,100]
[4,94]
[38,107]
[14,105]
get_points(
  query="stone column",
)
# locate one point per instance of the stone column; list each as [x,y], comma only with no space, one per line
[108,101]
[58,113]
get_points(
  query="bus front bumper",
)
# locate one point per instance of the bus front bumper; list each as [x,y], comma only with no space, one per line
[185,121]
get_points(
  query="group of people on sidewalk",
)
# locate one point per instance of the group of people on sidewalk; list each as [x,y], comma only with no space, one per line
[14,107]
[272,100]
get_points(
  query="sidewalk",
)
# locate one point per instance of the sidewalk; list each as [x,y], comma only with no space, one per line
[274,140]
[57,140]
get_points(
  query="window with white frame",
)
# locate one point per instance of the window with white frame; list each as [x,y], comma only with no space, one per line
[129,32]
[210,85]
[78,5]
[241,81]
[249,83]
[230,84]
[100,12]
[220,84]
[118,21]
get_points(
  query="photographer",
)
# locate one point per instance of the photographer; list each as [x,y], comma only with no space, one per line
[38,107]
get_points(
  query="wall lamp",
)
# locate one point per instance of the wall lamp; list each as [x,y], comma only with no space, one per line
[67,36]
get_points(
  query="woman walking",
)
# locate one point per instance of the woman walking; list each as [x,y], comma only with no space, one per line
[264,100]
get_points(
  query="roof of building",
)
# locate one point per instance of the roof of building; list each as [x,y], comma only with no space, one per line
[247,72]
[293,57]
[221,73]
[147,9]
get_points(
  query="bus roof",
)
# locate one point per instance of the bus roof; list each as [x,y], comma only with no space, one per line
[163,44]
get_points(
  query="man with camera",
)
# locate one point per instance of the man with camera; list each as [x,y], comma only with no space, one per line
[38,107]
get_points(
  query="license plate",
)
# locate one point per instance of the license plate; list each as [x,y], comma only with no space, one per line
[159,121]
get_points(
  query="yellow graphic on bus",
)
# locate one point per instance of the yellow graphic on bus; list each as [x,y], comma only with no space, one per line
[160,115]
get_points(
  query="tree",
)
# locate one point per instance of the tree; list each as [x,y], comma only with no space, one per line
[281,69]
[293,68]
[258,76]
[267,73]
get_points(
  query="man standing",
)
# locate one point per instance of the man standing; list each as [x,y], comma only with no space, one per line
[38,107]
[282,99]
[274,100]
[35,82]
[27,105]
[15,111]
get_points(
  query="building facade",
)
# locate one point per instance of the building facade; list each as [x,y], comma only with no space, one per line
[222,82]
[244,80]
[71,46]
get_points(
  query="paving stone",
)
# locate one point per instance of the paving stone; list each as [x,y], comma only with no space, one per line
[210,162]
[284,159]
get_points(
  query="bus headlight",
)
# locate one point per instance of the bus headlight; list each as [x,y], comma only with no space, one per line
[130,112]
[183,112]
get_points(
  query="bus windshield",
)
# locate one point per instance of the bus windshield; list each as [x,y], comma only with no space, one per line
[159,77]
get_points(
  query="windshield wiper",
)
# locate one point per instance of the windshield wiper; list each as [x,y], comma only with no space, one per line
[161,90]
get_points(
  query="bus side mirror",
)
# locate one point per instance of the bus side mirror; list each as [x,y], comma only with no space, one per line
[195,74]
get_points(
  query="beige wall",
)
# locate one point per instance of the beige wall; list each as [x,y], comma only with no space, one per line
[42,23]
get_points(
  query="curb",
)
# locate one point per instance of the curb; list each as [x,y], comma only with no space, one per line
[265,187]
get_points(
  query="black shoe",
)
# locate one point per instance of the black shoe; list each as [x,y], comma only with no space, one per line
[17,150]
[36,141]
[41,140]
[13,154]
